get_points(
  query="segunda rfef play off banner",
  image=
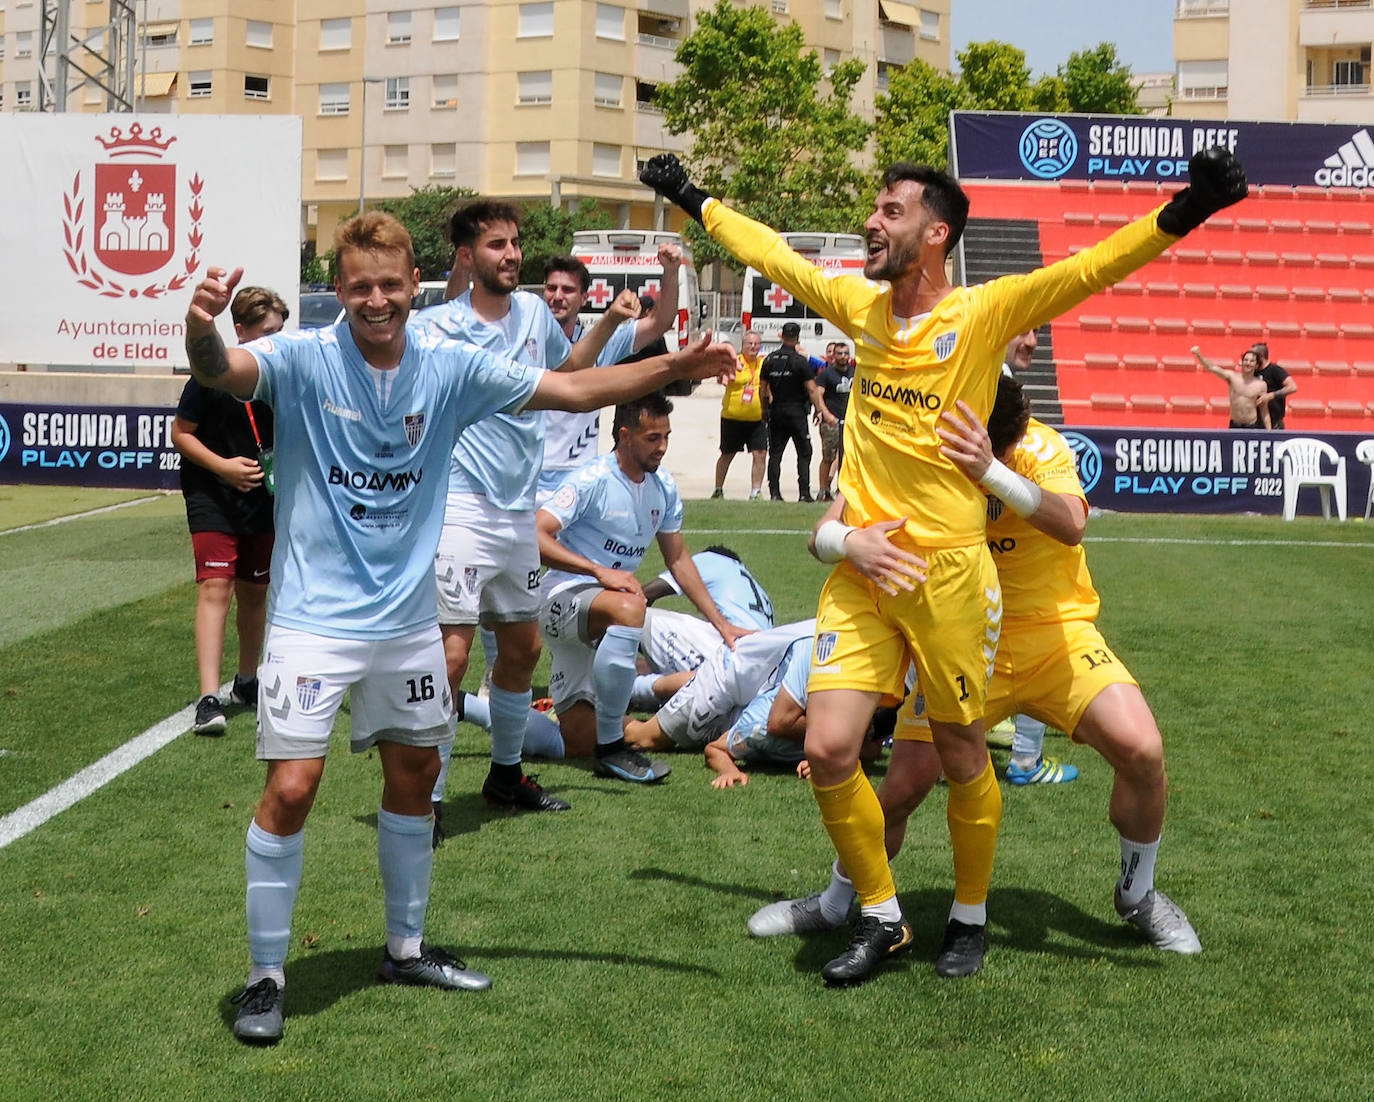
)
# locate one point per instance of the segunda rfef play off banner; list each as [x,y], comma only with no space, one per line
[111,220]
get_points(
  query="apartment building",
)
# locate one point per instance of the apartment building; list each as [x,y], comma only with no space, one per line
[1300,60]
[550,99]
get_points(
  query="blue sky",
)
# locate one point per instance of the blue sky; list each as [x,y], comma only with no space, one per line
[1048,31]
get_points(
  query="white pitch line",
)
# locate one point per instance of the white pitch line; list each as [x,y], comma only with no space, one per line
[77,516]
[95,776]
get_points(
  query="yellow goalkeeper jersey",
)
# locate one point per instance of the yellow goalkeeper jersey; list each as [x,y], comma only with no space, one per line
[909,370]
[1043,580]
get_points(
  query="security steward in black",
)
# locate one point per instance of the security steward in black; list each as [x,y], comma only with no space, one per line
[789,394]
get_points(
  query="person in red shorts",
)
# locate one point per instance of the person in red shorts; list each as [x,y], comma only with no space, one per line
[224,444]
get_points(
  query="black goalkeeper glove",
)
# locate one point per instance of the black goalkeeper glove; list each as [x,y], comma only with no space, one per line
[665,174]
[1215,181]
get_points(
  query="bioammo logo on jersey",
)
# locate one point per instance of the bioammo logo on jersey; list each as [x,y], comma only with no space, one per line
[375,480]
[905,395]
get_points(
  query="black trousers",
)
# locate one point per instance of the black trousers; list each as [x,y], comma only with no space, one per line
[789,423]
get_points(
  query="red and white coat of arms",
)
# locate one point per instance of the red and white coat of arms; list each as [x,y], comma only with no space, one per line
[132,218]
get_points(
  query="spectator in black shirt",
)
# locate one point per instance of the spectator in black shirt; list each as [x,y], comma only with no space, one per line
[789,394]
[224,444]
[1279,383]
[833,381]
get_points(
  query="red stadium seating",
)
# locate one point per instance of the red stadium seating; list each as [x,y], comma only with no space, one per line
[1293,266]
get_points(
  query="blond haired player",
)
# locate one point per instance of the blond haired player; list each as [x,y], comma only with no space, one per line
[1052,663]
[922,345]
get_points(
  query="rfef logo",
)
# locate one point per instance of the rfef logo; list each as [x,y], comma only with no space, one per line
[1048,148]
[1087,457]
[4,439]
[125,224]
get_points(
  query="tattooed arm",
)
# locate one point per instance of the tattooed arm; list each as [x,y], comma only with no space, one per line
[212,364]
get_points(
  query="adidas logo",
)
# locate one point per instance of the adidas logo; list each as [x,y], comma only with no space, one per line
[1350,166]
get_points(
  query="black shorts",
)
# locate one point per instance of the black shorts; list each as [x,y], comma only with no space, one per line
[736,436]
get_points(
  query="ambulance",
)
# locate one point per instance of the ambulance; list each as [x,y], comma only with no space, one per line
[618,259]
[765,307]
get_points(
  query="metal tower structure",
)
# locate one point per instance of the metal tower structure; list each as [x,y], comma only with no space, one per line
[102,56]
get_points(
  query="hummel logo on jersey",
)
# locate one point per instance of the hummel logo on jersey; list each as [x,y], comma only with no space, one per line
[1350,166]
[886,392]
[340,411]
[375,480]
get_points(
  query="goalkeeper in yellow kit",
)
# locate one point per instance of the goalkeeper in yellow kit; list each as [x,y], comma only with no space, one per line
[921,346]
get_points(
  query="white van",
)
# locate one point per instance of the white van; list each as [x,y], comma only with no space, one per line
[765,307]
[618,259]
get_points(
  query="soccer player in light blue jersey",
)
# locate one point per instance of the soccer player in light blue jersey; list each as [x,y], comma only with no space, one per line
[593,534]
[570,439]
[366,414]
[487,567]
[772,727]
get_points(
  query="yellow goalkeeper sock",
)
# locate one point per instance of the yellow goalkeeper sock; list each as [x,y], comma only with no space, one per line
[854,819]
[974,813]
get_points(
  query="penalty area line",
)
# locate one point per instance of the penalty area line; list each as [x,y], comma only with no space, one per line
[77,516]
[79,785]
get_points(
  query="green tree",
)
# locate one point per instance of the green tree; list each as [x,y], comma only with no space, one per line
[547,231]
[913,115]
[995,76]
[770,131]
[425,213]
[1097,81]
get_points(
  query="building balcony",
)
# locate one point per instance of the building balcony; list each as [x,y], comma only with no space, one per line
[1201,9]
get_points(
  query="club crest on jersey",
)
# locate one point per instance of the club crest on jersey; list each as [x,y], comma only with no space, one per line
[943,345]
[532,350]
[414,426]
[654,515]
[307,692]
[825,647]
[470,578]
[995,508]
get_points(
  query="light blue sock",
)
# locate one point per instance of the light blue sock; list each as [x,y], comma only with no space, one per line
[509,712]
[405,857]
[543,739]
[613,673]
[273,866]
[1028,741]
[476,711]
[445,754]
[642,695]
[488,649]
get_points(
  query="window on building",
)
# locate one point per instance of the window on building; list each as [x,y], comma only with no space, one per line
[334,99]
[331,164]
[443,159]
[779,7]
[644,96]
[832,9]
[2,47]
[607,90]
[605,160]
[395,160]
[1202,79]
[23,94]
[257,33]
[158,35]
[1348,72]
[610,22]
[446,24]
[536,21]
[23,44]
[397,93]
[445,90]
[202,32]
[255,87]
[930,25]
[831,58]
[534,87]
[531,158]
[397,27]
[336,34]
[198,83]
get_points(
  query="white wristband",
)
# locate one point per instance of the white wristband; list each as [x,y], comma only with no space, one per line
[1021,495]
[830,540]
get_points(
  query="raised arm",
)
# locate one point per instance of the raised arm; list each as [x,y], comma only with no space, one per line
[624,307]
[1219,372]
[588,390]
[229,369]
[664,314]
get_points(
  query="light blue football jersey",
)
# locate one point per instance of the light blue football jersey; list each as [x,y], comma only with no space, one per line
[570,438]
[737,592]
[749,737]
[360,484]
[609,519]
[499,457]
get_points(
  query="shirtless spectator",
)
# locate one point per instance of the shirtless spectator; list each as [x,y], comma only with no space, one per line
[1249,407]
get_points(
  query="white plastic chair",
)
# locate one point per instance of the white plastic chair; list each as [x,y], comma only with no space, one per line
[1364,452]
[1302,466]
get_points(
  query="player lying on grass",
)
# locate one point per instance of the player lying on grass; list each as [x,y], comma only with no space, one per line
[366,413]
[1051,663]
[922,345]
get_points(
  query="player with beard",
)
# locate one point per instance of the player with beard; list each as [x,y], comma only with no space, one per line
[922,345]
[570,439]
[487,567]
